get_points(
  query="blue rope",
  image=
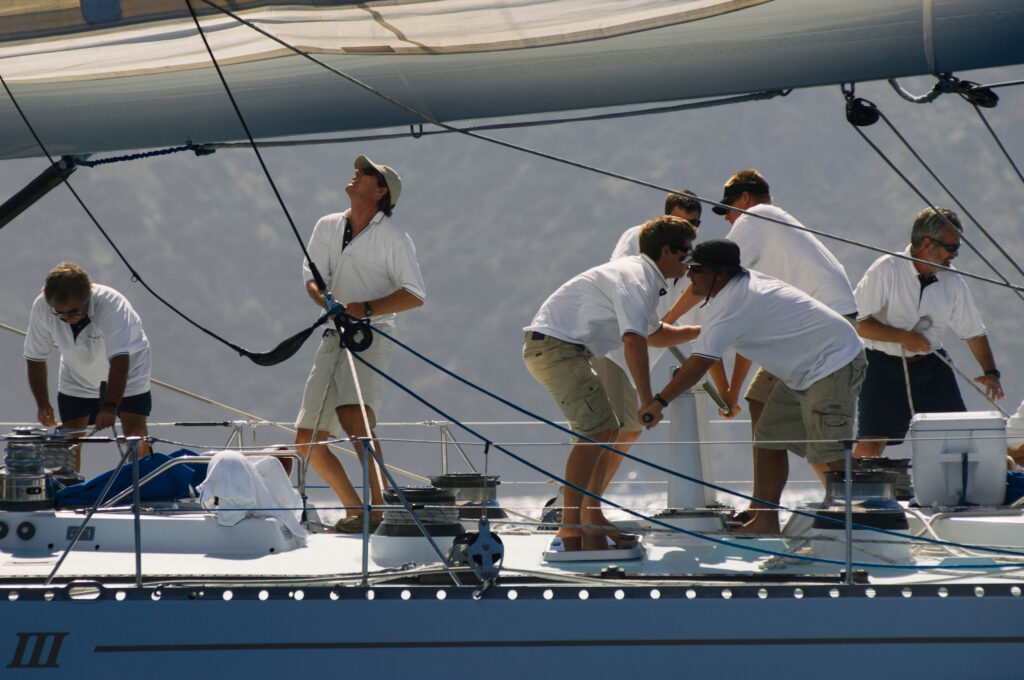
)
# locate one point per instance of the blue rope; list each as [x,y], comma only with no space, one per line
[145,154]
[638,515]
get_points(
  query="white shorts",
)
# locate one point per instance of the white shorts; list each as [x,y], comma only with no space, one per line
[330,383]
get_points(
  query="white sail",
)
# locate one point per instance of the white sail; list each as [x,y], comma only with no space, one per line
[92,81]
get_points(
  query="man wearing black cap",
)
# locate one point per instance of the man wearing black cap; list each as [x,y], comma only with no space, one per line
[787,253]
[815,353]
[369,264]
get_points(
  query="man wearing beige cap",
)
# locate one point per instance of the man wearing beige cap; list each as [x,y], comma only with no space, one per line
[370,267]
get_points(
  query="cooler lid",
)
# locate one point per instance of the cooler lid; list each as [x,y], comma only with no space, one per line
[964,420]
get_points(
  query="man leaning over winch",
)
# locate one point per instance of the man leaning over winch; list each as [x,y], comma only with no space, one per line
[101,341]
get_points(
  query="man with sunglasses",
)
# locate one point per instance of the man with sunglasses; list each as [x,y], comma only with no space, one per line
[101,341]
[612,305]
[774,243]
[814,352]
[612,369]
[370,267]
[905,309]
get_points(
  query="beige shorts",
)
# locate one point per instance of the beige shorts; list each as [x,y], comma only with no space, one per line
[330,383]
[623,396]
[565,370]
[761,386]
[813,423]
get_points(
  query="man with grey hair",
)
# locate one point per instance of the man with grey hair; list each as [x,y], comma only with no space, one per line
[101,341]
[905,308]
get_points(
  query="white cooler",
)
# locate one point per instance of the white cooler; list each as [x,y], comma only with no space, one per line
[953,448]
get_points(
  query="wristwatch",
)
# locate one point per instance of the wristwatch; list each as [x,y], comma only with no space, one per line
[661,400]
[367,310]
[994,373]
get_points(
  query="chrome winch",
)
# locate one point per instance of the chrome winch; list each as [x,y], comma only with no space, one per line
[35,462]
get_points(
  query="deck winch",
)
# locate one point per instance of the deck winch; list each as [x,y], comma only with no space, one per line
[33,458]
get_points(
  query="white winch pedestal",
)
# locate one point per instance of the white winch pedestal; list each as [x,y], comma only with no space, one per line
[688,502]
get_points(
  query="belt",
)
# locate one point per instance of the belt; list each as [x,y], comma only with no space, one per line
[910,360]
[534,335]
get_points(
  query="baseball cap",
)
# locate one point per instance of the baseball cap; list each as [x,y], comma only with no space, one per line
[718,254]
[391,178]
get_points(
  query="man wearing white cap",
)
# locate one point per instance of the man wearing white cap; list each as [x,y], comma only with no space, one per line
[370,267]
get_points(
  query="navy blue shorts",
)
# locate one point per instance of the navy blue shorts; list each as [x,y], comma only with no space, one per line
[76,407]
[882,409]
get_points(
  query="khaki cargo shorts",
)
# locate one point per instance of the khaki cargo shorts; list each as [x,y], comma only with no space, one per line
[565,370]
[813,423]
[621,394]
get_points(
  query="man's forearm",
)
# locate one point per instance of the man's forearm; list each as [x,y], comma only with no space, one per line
[638,362]
[37,377]
[117,379]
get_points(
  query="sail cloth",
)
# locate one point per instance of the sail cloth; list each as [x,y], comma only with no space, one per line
[238,487]
[163,37]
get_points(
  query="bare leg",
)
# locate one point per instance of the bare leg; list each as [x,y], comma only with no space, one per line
[351,419]
[584,459]
[329,468]
[871,447]
[771,472]
[622,442]
[134,425]
[821,468]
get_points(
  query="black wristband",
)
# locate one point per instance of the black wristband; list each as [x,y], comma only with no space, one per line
[109,403]
[661,400]
[994,373]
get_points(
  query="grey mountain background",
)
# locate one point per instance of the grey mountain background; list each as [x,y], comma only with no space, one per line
[496,231]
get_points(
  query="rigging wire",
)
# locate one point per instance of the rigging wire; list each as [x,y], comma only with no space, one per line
[999,143]
[248,133]
[960,205]
[566,161]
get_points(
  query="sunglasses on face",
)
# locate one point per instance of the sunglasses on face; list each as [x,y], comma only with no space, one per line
[695,222]
[950,247]
[696,268]
[71,313]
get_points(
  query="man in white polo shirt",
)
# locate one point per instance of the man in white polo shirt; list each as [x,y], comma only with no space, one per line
[614,304]
[814,351]
[100,340]
[905,309]
[369,264]
[789,254]
[612,369]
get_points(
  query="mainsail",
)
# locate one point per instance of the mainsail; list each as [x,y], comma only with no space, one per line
[125,75]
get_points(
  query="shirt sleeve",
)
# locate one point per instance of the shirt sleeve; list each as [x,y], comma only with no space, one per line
[405,268]
[319,251]
[634,310]
[114,318]
[870,293]
[1015,428]
[629,244]
[720,331]
[38,339]
[964,317]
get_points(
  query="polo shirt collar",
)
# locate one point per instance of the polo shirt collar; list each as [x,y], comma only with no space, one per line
[650,263]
